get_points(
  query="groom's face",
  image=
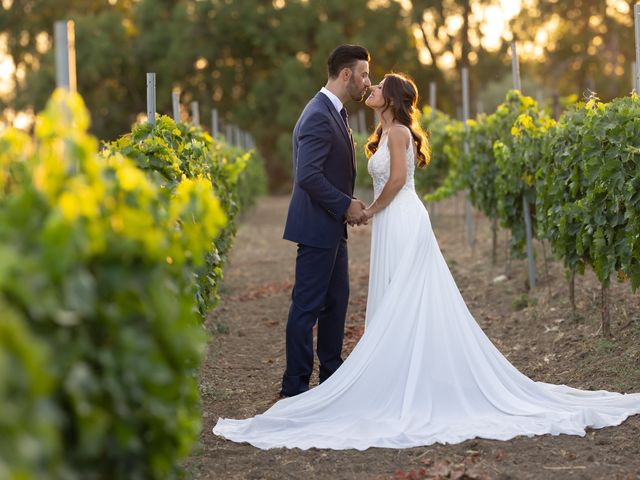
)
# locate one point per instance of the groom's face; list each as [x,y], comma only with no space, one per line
[359,81]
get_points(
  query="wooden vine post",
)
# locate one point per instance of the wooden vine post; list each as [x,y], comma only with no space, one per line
[636,16]
[175,102]
[151,98]
[465,118]
[515,65]
[65,54]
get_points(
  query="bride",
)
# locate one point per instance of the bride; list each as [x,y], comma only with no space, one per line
[424,371]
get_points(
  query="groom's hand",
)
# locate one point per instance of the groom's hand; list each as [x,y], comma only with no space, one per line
[355,213]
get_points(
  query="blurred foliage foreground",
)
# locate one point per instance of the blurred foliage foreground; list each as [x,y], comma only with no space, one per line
[108,260]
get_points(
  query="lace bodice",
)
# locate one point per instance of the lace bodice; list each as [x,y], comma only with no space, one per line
[379,167]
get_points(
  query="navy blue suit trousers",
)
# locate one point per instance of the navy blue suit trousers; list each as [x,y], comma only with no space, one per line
[324,178]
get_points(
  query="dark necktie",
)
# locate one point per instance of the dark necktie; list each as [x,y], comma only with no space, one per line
[345,117]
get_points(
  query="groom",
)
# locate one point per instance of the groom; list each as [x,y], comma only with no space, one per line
[322,203]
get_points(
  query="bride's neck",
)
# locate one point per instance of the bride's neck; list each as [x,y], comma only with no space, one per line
[386,120]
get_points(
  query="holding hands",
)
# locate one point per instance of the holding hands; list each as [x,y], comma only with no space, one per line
[357,213]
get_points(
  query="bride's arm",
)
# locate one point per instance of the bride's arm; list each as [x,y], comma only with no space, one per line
[397,142]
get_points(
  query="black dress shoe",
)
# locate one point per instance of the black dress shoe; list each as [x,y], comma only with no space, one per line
[287,395]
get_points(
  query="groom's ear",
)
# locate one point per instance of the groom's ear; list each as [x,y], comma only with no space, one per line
[345,74]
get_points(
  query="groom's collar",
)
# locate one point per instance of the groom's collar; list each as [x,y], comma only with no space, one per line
[335,101]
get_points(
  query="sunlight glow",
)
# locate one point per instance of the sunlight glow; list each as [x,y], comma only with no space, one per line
[446,61]
[493,30]
[6,74]
[495,26]
[201,63]
[620,10]
[510,8]
[6,67]
[453,24]
[24,120]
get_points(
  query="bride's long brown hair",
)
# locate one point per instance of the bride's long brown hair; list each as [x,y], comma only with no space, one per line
[401,96]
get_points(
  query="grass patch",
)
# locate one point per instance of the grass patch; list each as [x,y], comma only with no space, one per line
[523,301]
[220,327]
[210,392]
[604,345]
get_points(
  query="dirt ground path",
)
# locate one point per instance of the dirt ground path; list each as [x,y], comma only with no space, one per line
[536,331]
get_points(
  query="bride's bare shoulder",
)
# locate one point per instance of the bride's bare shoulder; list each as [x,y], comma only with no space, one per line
[399,133]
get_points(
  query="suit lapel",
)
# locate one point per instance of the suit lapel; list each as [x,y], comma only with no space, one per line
[336,116]
[343,128]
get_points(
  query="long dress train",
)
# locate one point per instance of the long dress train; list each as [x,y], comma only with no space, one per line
[423,371]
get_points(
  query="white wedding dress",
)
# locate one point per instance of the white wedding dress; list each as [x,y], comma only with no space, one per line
[424,371]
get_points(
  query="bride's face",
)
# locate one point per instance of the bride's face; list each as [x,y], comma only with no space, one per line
[375,98]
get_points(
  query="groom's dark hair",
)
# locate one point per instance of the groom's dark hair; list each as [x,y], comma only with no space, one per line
[345,56]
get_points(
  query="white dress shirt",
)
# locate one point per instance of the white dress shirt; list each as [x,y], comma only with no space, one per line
[334,100]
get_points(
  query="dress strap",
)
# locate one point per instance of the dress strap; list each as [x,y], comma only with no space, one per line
[409,143]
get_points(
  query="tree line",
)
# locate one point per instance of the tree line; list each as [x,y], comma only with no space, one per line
[259,61]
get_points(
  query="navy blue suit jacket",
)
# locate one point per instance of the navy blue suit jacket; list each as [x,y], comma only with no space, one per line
[324,173]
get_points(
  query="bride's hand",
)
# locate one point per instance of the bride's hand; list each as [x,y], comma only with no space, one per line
[368,213]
